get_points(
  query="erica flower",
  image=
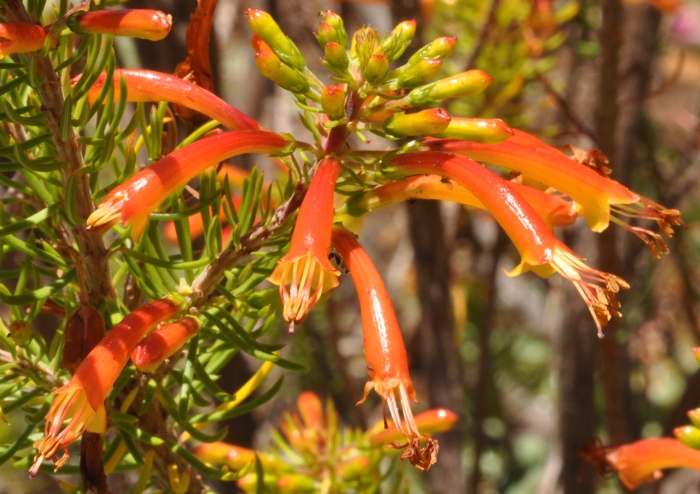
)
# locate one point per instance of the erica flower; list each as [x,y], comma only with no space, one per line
[539,249]
[597,195]
[162,343]
[148,24]
[133,201]
[221,453]
[306,268]
[552,208]
[148,85]
[385,352]
[20,37]
[642,461]
[81,401]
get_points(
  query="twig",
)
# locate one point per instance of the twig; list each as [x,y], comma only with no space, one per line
[490,19]
[568,112]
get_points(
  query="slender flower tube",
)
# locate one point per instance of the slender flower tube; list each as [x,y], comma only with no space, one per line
[148,85]
[81,401]
[162,343]
[552,208]
[306,268]
[385,353]
[642,461]
[148,24]
[21,37]
[489,130]
[133,201]
[596,194]
[221,453]
[429,422]
[539,249]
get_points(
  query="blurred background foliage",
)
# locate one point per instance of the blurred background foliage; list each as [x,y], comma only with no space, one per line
[517,359]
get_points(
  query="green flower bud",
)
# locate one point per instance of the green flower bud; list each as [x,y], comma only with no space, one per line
[265,26]
[417,75]
[426,122]
[336,22]
[364,44]
[336,57]
[20,332]
[486,130]
[377,68]
[688,435]
[326,34]
[333,102]
[457,86]
[283,75]
[396,43]
[440,48]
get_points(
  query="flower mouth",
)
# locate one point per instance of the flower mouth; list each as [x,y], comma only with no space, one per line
[308,279]
[108,214]
[420,457]
[601,300]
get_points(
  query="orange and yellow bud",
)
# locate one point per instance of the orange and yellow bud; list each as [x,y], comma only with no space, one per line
[336,23]
[289,78]
[441,48]
[306,268]
[162,343]
[385,353]
[597,195]
[398,40]
[333,101]
[540,250]
[377,68]
[148,24]
[133,201]
[422,72]
[21,37]
[426,122]
[81,401]
[458,86]
[336,58]
[552,208]
[269,31]
[643,461]
[148,85]
[220,453]
[487,130]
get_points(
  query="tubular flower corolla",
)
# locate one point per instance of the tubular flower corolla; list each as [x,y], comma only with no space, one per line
[306,268]
[385,353]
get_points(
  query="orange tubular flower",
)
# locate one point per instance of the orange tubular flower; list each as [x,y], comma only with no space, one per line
[162,343]
[552,208]
[306,268]
[642,461]
[134,200]
[540,250]
[385,352]
[429,422]
[597,195]
[148,85]
[21,37]
[220,453]
[81,401]
[148,24]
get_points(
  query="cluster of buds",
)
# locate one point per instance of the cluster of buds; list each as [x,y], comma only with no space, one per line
[314,449]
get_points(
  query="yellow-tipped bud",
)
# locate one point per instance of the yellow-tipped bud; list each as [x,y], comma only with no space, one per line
[269,31]
[377,69]
[486,130]
[333,102]
[440,48]
[420,73]
[426,122]
[283,75]
[457,86]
